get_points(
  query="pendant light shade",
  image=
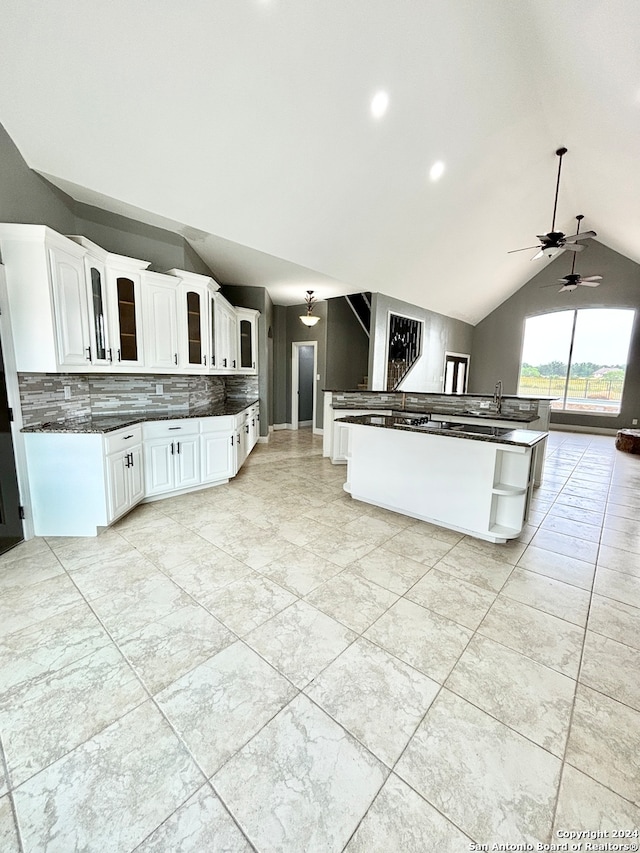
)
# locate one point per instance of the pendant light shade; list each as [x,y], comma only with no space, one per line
[309,319]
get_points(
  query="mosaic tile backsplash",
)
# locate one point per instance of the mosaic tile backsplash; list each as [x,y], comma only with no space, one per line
[440,403]
[42,395]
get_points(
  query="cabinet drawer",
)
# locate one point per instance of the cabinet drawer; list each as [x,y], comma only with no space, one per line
[169,429]
[223,422]
[122,439]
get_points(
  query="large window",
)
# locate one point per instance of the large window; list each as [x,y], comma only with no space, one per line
[578,356]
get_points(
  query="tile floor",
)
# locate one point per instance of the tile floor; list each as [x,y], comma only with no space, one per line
[271,666]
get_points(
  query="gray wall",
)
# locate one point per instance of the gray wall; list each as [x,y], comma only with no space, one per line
[257,298]
[441,334]
[497,340]
[347,347]
[287,330]
[26,197]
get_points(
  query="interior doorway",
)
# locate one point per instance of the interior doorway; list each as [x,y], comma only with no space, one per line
[304,367]
[456,373]
[11,530]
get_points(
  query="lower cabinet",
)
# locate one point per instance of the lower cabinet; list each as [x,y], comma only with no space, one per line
[125,481]
[81,482]
[172,456]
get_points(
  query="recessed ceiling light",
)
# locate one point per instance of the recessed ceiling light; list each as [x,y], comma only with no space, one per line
[436,171]
[379,104]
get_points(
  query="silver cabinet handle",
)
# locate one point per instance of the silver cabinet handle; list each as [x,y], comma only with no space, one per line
[175,358]
[172,449]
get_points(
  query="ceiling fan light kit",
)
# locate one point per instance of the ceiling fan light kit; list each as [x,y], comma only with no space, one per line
[571,281]
[554,241]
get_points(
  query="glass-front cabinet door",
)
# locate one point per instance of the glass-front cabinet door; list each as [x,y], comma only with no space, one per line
[212,328]
[247,320]
[193,319]
[101,350]
[126,318]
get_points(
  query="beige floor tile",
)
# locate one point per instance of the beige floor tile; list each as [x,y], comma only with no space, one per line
[629,525]
[552,596]
[505,552]
[200,824]
[163,651]
[604,742]
[352,600]
[465,603]
[400,819]
[223,702]
[559,566]
[619,559]
[389,570]
[335,780]
[620,540]
[42,720]
[571,527]
[570,546]
[75,805]
[531,698]
[74,552]
[102,577]
[423,639]
[300,642]
[29,569]
[21,607]
[421,547]
[300,571]
[476,567]
[201,576]
[50,645]
[612,668]
[617,585]
[575,513]
[616,620]
[375,696]
[540,636]
[590,503]
[8,832]
[452,761]
[585,803]
[247,603]
[341,548]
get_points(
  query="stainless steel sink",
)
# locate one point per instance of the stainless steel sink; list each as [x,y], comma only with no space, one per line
[480,429]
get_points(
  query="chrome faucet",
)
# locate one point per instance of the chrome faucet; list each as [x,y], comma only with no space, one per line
[497,396]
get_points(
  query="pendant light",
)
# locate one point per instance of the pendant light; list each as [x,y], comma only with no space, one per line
[309,319]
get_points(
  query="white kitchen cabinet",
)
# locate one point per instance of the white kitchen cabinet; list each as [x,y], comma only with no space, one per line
[47,299]
[218,447]
[195,321]
[339,448]
[125,480]
[172,456]
[225,336]
[124,288]
[247,326]
[160,313]
[96,283]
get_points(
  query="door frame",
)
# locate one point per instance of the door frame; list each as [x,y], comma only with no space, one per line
[13,397]
[459,356]
[295,382]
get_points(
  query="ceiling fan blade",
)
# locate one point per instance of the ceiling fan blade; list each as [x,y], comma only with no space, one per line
[590,283]
[539,254]
[524,249]
[573,247]
[592,278]
[583,236]
[544,238]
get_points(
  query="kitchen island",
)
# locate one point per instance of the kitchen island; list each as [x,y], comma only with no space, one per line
[476,479]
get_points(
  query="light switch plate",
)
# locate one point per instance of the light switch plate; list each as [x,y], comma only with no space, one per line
[159,388]
[67,392]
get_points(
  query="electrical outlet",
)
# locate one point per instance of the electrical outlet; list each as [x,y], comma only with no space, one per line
[67,392]
[634,422]
[484,404]
[159,388]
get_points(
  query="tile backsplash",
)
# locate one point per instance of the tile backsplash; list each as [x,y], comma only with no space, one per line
[42,395]
[428,402]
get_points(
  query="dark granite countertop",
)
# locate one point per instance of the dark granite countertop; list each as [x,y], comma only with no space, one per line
[110,423]
[433,394]
[519,437]
[519,417]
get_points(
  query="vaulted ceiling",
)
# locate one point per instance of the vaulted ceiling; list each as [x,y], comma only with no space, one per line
[246,126]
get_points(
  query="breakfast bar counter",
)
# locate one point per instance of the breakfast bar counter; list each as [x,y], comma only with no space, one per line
[472,478]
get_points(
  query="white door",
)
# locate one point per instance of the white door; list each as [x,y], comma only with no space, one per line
[304,366]
[187,461]
[136,475]
[71,310]
[218,456]
[159,467]
[161,326]
[118,493]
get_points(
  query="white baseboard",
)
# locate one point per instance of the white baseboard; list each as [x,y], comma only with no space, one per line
[282,426]
[318,431]
[304,423]
[580,428]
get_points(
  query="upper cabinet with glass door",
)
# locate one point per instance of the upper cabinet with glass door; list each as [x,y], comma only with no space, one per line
[96,285]
[124,288]
[247,321]
[196,350]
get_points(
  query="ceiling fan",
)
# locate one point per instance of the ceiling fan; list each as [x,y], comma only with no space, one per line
[555,241]
[574,279]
